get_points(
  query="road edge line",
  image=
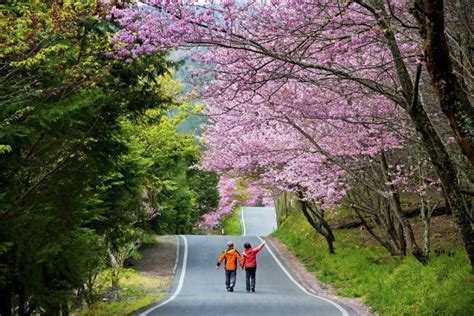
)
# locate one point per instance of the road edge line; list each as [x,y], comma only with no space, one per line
[276,218]
[180,282]
[300,286]
[176,261]
[243,221]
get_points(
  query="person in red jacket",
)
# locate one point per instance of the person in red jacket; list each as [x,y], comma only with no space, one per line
[249,262]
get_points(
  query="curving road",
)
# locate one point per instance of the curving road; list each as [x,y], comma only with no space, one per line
[198,287]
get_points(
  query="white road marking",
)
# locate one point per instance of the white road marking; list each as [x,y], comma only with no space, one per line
[177,255]
[180,282]
[301,287]
[243,221]
[276,219]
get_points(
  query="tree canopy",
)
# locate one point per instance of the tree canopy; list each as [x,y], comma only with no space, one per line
[91,160]
[312,96]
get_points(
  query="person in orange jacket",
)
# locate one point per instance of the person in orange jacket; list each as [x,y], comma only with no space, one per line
[249,262]
[231,257]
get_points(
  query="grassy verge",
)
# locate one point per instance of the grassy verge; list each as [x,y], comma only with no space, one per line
[231,223]
[137,291]
[389,285]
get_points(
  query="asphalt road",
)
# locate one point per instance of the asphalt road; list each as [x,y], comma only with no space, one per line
[258,221]
[198,287]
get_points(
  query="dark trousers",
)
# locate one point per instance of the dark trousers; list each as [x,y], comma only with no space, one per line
[230,278]
[250,277]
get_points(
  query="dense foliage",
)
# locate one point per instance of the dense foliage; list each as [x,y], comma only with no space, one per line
[90,159]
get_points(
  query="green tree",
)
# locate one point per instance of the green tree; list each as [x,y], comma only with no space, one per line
[177,193]
[70,179]
[90,156]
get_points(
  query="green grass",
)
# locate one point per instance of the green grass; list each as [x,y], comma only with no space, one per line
[231,223]
[391,286]
[140,291]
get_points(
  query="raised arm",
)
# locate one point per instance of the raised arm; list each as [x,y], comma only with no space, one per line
[259,247]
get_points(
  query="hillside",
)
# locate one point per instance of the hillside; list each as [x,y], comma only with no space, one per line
[389,285]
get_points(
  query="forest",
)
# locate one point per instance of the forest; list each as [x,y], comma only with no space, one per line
[91,160]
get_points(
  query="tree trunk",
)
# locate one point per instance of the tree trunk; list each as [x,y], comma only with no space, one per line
[401,238]
[449,181]
[397,238]
[426,218]
[381,215]
[330,243]
[452,96]
[385,244]
[405,226]
[317,223]
[432,143]
[447,174]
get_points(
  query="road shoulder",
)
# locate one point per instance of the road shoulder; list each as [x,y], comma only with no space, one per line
[158,263]
[311,283]
[159,260]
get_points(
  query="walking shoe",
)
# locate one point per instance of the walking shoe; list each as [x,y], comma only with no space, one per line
[231,289]
[253,290]
[228,289]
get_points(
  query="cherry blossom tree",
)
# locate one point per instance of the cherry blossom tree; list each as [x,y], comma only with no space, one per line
[275,140]
[310,67]
[232,193]
[227,188]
